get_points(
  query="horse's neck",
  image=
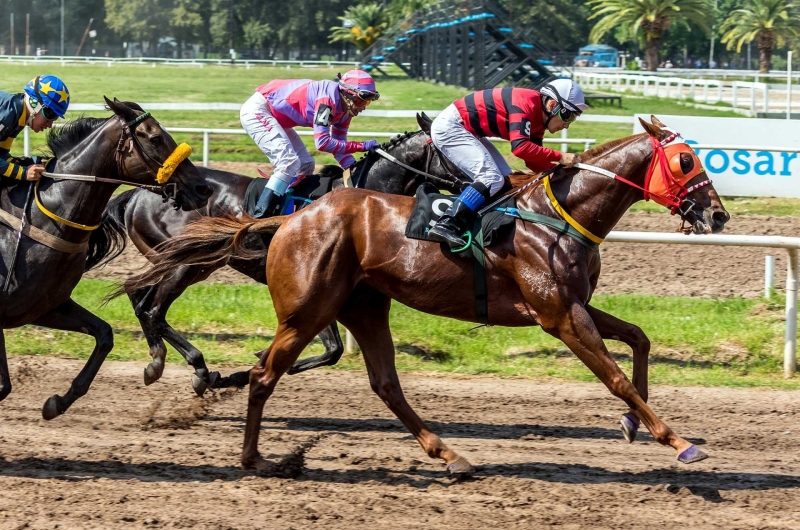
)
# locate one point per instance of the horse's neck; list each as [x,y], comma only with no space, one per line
[84,202]
[386,176]
[595,201]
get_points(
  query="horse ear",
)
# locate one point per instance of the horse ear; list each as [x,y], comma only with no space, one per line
[656,121]
[120,109]
[424,122]
[651,129]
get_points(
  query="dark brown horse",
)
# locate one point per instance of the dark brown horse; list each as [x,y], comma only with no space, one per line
[346,257]
[129,147]
[149,222]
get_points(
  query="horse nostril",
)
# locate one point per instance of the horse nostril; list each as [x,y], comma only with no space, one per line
[203,190]
[721,218]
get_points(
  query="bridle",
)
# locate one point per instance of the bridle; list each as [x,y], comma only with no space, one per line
[661,184]
[127,138]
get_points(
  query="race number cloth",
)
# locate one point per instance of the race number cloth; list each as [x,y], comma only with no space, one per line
[431,205]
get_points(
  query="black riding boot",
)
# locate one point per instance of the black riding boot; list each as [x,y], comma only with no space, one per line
[457,219]
[266,204]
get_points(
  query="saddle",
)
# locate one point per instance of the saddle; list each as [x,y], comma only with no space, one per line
[431,205]
[301,192]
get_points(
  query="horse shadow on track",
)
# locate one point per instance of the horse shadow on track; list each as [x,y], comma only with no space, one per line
[705,484]
[446,429]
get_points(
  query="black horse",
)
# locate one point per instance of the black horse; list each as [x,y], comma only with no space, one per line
[60,241]
[149,222]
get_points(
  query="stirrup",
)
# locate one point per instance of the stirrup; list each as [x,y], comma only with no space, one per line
[468,235]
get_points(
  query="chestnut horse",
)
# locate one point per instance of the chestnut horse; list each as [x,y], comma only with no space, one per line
[346,257]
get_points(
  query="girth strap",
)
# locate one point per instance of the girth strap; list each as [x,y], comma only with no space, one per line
[40,236]
[479,273]
[559,224]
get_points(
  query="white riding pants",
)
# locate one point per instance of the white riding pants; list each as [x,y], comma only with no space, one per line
[476,157]
[283,147]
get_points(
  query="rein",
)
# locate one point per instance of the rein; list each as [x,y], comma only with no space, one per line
[163,174]
[441,181]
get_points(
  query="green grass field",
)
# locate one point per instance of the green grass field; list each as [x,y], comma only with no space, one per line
[730,342]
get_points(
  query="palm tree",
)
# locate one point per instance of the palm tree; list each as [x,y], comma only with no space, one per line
[361,24]
[634,19]
[768,22]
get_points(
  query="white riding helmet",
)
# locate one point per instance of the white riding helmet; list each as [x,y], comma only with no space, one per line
[567,93]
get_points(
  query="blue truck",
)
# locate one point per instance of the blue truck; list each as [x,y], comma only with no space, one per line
[597,55]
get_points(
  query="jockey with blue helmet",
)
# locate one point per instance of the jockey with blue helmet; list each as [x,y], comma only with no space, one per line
[276,108]
[44,100]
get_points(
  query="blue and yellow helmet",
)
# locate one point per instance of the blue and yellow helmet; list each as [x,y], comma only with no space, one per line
[50,92]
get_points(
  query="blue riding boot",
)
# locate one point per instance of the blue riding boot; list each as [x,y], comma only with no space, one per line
[266,204]
[456,220]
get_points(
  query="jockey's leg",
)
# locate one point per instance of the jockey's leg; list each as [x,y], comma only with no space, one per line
[274,142]
[470,155]
[307,162]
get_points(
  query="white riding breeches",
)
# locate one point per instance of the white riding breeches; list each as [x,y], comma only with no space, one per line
[476,157]
[283,147]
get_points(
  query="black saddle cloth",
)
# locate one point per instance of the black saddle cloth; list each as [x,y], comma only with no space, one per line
[431,205]
[312,187]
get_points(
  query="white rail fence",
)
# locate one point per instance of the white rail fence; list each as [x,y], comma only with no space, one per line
[153,61]
[749,96]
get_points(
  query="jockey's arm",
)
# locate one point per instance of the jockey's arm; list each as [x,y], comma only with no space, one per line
[9,170]
[337,143]
[537,157]
[339,133]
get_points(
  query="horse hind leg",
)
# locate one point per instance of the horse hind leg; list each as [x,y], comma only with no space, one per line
[366,315]
[5,376]
[613,328]
[151,305]
[333,351]
[272,364]
[70,316]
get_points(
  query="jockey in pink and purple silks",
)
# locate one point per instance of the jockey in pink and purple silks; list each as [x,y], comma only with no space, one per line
[272,113]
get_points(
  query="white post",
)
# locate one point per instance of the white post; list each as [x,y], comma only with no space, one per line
[350,345]
[26,142]
[769,275]
[753,98]
[564,147]
[789,85]
[719,92]
[705,91]
[205,148]
[766,97]
[691,90]
[735,86]
[790,347]
[680,88]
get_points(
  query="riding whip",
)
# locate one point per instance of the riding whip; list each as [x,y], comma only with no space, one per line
[19,237]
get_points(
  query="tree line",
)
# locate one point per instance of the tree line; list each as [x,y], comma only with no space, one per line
[679,31]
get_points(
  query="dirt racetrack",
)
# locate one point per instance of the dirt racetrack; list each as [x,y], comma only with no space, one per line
[547,454]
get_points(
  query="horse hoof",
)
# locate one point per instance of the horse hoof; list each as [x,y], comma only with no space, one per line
[199,385]
[50,409]
[630,426]
[151,375]
[461,467]
[213,377]
[691,454]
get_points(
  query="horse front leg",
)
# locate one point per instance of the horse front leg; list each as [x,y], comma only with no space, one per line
[70,316]
[333,351]
[612,328]
[577,330]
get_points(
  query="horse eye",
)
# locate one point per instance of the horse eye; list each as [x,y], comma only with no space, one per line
[156,140]
[687,163]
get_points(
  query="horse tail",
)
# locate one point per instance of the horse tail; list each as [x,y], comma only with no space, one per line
[109,240]
[209,242]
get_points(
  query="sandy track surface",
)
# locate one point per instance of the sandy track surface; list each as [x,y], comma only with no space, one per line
[664,270]
[547,454]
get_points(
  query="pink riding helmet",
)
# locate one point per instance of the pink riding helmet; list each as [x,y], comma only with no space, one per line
[359,83]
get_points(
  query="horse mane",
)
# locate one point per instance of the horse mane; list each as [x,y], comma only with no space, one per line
[61,140]
[604,148]
[400,138]
[73,132]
